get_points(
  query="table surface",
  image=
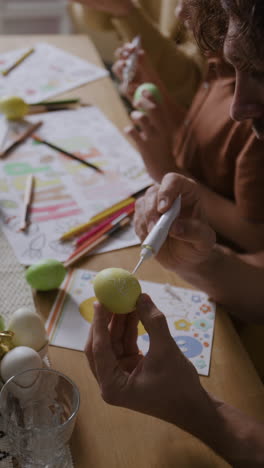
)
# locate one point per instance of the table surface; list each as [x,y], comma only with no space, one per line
[117,438]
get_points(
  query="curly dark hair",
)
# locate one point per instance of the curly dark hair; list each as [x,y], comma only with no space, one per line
[209,20]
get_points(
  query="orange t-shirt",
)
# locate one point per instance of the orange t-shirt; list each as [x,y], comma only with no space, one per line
[222,154]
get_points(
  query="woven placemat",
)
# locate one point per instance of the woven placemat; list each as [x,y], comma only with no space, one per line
[14,293]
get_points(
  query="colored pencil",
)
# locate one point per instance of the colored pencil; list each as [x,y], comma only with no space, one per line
[99,233]
[27,203]
[96,219]
[67,153]
[96,241]
[49,106]
[91,232]
[56,103]
[27,133]
[20,60]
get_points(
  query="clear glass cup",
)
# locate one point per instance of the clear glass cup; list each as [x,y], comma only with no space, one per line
[39,409]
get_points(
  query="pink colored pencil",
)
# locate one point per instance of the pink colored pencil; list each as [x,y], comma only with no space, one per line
[97,240]
[91,232]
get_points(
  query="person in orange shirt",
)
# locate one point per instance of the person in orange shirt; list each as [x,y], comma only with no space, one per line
[204,143]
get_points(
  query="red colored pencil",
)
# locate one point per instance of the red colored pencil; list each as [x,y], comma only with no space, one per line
[91,232]
[96,240]
[102,231]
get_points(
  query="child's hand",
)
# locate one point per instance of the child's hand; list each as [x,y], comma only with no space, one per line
[144,72]
[153,134]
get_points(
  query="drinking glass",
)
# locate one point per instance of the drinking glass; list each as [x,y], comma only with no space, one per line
[39,409]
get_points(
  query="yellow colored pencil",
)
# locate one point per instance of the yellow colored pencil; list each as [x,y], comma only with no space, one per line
[95,219]
[20,60]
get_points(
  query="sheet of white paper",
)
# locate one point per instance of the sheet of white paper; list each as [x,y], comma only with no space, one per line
[190,316]
[47,72]
[66,192]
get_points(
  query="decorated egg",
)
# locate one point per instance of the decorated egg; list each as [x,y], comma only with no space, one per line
[151,88]
[117,289]
[46,275]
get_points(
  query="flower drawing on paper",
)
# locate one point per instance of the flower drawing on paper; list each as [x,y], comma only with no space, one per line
[205,308]
[182,324]
[202,324]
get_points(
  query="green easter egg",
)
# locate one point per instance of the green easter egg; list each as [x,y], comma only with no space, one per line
[13,107]
[117,289]
[46,274]
[151,88]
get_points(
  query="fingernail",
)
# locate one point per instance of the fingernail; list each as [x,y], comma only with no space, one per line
[163,203]
[146,94]
[128,129]
[178,228]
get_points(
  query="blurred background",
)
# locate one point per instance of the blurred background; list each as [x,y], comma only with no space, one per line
[65,17]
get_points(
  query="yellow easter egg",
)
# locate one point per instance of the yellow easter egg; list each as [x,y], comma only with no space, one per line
[13,107]
[117,289]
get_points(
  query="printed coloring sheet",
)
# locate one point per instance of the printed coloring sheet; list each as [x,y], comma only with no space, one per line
[47,72]
[66,192]
[190,316]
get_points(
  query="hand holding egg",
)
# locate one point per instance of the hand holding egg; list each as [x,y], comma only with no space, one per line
[151,88]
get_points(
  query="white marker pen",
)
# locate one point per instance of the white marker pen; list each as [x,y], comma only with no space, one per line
[157,236]
[130,66]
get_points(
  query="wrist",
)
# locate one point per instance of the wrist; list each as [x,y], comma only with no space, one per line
[232,435]
[204,268]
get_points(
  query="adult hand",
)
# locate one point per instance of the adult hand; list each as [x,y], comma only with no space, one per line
[114,7]
[163,384]
[190,239]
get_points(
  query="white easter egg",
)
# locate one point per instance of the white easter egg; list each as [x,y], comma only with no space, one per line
[19,360]
[28,328]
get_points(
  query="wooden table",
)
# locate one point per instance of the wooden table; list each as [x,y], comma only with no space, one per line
[116,438]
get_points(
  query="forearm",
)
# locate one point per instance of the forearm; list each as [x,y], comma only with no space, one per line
[224,218]
[158,167]
[233,280]
[231,434]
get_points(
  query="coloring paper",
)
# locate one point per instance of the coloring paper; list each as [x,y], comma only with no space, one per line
[48,71]
[190,316]
[66,192]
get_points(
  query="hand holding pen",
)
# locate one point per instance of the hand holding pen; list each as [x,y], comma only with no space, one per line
[190,239]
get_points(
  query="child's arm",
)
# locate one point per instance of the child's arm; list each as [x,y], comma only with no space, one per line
[153,132]
[223,215]
[154,138]
[181,68]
